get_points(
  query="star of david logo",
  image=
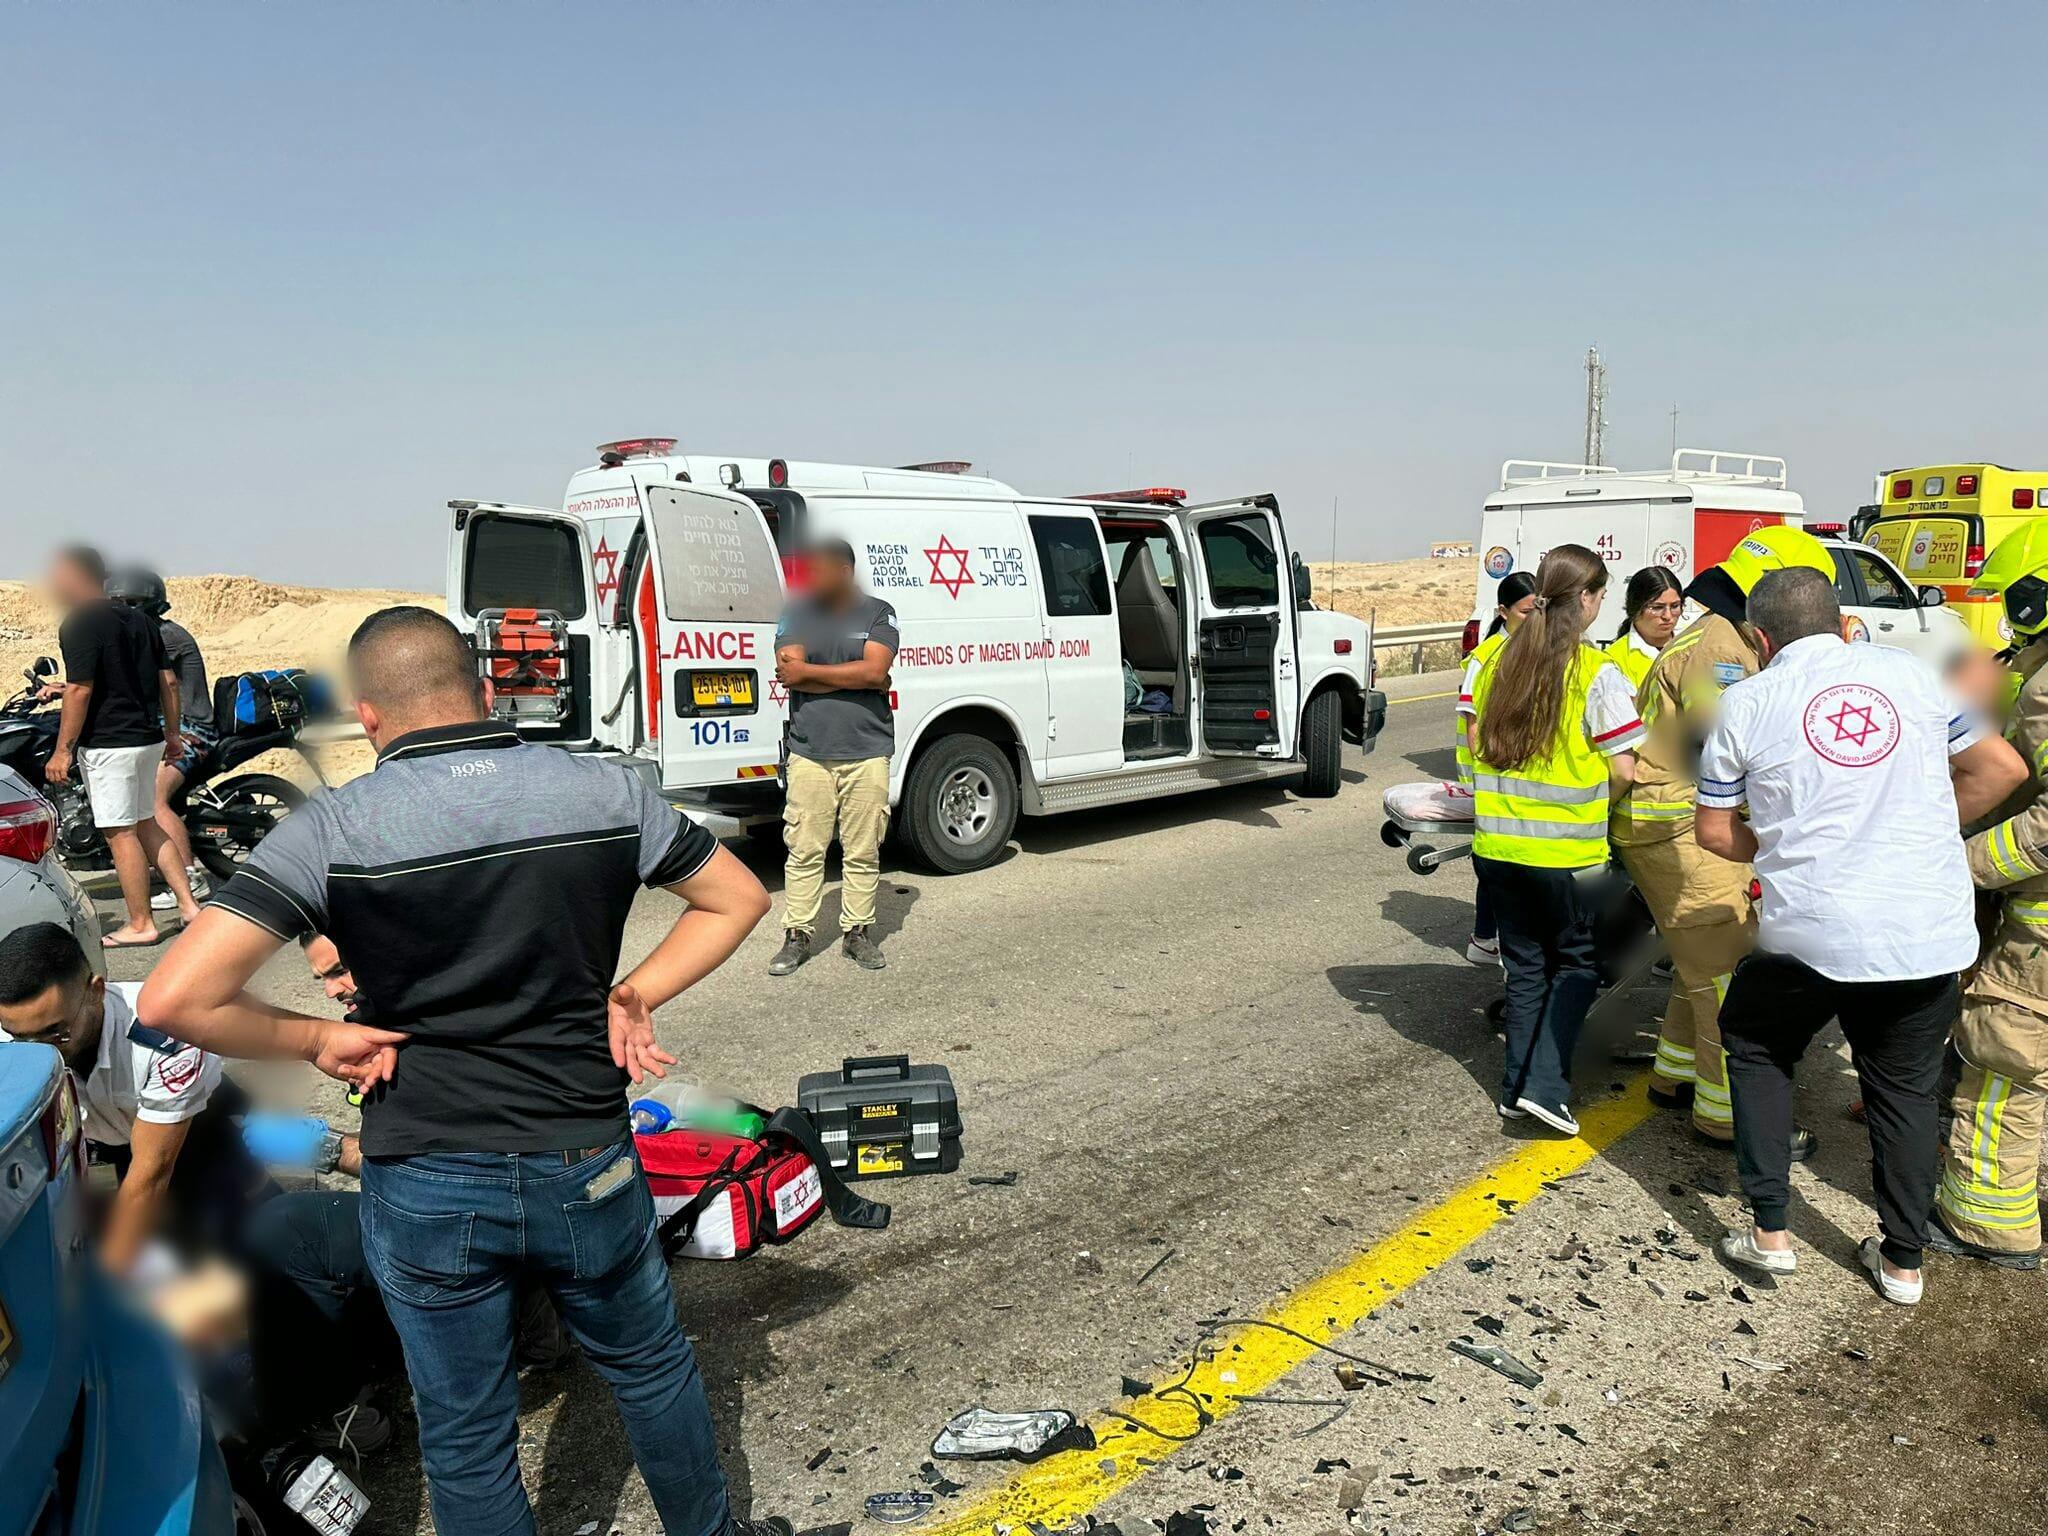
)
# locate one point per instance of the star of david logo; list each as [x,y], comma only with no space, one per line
[604,563]
[1853,724]
[959,576]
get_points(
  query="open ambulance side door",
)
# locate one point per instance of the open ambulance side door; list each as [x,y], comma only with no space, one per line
[704,620]
[520,588]
[1249,680]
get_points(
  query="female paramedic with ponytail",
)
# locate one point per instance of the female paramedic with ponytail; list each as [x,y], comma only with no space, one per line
[1513,601]
[1553,725]
[1652,604]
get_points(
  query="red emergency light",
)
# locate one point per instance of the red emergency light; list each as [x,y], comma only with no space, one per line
[1150,496]
[2022,498]
[778,473]
[1966,485]
[1973,560]
[1827,530]
[635,448]
[1469,641]
[1901,489]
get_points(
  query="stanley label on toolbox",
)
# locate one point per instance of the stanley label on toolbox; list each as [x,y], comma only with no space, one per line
[880,1111]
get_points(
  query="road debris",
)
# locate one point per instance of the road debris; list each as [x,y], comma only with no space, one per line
[1760,1365]
[899,1507]
[823,1455]
[1085,1263]
[994,1180]
[980,1434]
[1494,1358]
[1157,1265]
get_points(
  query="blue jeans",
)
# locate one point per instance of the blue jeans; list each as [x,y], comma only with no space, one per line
[1546,947]
[449,1235]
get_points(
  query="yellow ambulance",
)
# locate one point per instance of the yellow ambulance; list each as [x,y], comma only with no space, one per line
[1937,524]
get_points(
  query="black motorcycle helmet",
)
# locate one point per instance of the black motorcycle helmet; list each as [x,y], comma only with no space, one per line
[140,588]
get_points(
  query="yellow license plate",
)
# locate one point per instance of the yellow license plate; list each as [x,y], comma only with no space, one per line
[721,690]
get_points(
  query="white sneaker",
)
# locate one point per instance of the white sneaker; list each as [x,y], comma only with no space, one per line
[1509,1112]
[1739,1246]
[1483,951]
[162,901]
[1903,1293]
[1558,1117]
[196,878]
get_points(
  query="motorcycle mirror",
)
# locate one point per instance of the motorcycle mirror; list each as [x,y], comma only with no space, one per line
[44,666]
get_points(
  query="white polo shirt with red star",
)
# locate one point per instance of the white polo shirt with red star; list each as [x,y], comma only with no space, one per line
[1841,752]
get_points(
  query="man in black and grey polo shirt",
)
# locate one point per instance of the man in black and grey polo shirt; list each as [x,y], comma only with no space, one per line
[478,889]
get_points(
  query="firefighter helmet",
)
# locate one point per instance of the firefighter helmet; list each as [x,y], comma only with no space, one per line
[2017,575]
[1775,548]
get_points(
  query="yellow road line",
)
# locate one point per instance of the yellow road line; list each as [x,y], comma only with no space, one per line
[1065,1487]
[1423,698]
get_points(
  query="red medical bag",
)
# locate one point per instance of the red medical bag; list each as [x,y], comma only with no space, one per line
[722,1197]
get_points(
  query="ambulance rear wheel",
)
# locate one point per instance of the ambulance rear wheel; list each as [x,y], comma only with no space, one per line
[960,804]
[1322,745]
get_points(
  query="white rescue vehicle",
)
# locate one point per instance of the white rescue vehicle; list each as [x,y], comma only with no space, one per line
[1687,518]
[640,619]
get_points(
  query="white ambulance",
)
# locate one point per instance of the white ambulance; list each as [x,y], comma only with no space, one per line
[1687,517]
[640,619]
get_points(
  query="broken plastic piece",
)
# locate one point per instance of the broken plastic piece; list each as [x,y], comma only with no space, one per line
[980,1434]
[1494,1358]
[997,1180]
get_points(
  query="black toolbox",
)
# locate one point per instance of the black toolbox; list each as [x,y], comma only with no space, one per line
[880,1117]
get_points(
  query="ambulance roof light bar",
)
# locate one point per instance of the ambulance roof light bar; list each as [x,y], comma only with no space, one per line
[635,448]
[1516,472]
[1722,466]
[942,467]
[1148,496]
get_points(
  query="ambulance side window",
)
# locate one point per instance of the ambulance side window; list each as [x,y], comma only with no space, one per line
[516,562]
[1243,570]
[1070,561]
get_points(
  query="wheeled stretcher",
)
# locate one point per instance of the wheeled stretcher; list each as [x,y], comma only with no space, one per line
[1433,821]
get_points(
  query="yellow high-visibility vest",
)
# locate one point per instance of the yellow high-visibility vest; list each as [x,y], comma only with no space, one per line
[1550,812]
[1633,660]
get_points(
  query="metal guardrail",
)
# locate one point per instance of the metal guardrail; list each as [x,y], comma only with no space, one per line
[1416,636]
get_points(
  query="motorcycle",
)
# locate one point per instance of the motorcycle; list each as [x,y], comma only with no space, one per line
[226,819]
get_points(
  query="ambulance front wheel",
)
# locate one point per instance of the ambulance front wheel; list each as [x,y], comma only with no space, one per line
[1322,745]
[960,804]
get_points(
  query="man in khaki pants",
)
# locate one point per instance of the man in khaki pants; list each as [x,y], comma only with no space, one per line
[833,650]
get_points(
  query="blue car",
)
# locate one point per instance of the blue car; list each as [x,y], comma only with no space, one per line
[102,1430]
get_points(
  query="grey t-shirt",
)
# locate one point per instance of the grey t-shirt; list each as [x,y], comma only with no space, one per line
[195,698]
[849,723]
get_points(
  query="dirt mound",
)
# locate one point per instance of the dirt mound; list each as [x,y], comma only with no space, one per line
[1400,591]
[204,604]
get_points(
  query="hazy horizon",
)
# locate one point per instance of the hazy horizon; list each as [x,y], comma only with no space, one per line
[287,279]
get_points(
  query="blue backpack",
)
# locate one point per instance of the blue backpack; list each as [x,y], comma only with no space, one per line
[275,699]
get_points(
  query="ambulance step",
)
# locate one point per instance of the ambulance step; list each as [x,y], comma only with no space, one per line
[1151,783]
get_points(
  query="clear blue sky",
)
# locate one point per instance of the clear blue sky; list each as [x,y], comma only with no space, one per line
[280,280]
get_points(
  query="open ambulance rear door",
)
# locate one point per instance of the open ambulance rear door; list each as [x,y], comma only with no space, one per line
[519,586]
[1250,682]
[705,606]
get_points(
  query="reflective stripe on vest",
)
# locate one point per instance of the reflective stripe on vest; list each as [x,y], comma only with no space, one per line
[1550,812]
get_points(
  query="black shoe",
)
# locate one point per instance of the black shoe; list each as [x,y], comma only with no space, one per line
[774,1525]
[1941,1240]
[860,947]
[1678,1096]
[1802,1147]
[796,949]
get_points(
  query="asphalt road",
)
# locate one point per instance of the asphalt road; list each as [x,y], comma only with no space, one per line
[1231,1048]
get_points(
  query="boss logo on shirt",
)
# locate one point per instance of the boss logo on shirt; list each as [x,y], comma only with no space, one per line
[473,770]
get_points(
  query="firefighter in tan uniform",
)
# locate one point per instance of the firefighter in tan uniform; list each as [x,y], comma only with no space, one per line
[1987,1205]
[1701,903]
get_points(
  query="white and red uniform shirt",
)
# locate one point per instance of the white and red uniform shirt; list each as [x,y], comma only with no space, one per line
[1841,753]
[141,1075]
